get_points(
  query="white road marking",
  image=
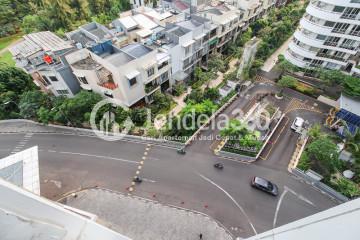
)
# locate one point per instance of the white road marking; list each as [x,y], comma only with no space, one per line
[51,151]
[286,190]
[232,199]
[99,156]
[278,206]
[148,180]
[301,197]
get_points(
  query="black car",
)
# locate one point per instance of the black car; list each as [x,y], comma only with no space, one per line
[265,185]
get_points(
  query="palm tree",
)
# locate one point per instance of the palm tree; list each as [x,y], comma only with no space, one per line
[351,140]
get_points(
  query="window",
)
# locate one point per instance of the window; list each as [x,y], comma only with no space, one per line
[164,77]
[53,78]
[47,81]
[150,71]
[329,24]
[62,92]
[340,27]
[132,81]
[320,37]
[350,13]
[164,64]
[187,50]
[83,80]
[332,41]
[338,9]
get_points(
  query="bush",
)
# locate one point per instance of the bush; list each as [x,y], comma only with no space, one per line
[304,162]
[179,89]
[347,187]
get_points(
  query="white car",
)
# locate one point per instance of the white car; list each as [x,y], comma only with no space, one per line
[297,125]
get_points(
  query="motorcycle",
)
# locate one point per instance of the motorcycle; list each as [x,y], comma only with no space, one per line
[219,166]
[181,151]
[137,180]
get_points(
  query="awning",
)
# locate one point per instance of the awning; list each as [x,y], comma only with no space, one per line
[162,57]
[188,43]
[215,40]
[132,74]
[200,36]
[144,32]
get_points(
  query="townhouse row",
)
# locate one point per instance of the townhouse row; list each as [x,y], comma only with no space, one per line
[144,51]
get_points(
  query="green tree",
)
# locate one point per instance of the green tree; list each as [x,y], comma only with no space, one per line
[216,63]
[245,37]
[212,94]
[196,96]
[235,129]
[30,103]
[138,116]
[74,109]
[325,152]
[315,131]
[351,86]
[304,162]
[44,115]
[161,102]
[287,81]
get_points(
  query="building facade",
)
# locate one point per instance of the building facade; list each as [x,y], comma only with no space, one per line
[131,74]
[42,55]
[328,36]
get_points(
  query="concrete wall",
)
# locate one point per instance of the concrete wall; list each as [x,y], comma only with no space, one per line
[24,215]
[340,222]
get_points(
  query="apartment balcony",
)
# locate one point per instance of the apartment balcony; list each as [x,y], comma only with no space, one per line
[295,60]
[151,87]
[355,33]
[331,58]
[105,79]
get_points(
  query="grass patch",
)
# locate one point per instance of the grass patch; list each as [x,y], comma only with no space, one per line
[6,41]
[7,58]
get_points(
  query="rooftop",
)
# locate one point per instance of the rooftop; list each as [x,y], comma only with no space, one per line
[34,42]
[97,30]
[350,104]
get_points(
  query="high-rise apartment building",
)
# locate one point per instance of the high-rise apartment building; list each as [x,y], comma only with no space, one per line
[328,36]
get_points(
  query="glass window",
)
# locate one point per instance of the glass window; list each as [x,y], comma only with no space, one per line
[62,92]
[83,80]
[150,71]
[47,81]
[321,37]
[53,78]
[132,81]
[338,9]
[329,24]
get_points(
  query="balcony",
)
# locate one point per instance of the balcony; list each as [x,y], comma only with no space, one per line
[105,79]
[355,33]
[324,55]
[150,87]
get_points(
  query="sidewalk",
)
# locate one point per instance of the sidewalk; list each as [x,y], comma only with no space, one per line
[271,61]
[143,219]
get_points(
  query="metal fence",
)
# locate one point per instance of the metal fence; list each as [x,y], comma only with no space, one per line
[236,156]
[320,186]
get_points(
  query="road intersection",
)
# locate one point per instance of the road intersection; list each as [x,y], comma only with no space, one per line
[71,162]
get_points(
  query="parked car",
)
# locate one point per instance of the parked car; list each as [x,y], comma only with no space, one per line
[265,185]
[298,124]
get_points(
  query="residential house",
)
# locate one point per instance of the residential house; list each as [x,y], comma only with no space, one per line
[130,74]
[42,55]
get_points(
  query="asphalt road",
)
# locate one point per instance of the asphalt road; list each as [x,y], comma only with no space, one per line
[70,162]
[73,162]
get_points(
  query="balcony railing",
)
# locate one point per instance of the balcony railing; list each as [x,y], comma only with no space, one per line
[151,87]
[349,16]
[108,85]
[324,55]
[332,44]
[349,47]
[355,33]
